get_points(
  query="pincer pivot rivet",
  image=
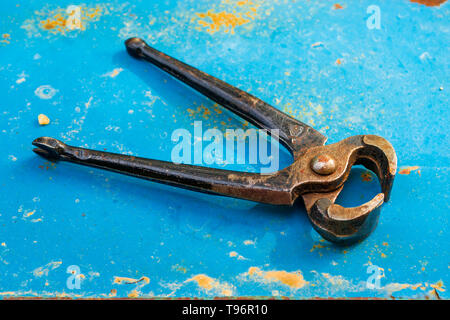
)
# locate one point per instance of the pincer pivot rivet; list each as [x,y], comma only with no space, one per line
[323,164]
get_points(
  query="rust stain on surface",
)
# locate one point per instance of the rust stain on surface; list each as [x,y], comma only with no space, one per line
[179,268]
[203,281]
[238,14]
[366,176]
[224,19]
[41,271]
[6,38]
[141,282]
[211,284]
[337,6]
[125,280]
[111,74]
[29,213]
[438,286]
[430,3]
[59,21]
[408,170]
[394,287]
[316,246]
[134,294]
[292,279]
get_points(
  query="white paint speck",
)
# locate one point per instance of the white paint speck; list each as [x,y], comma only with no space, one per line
[425,56]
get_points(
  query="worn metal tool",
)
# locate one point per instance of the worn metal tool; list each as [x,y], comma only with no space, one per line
[317,173]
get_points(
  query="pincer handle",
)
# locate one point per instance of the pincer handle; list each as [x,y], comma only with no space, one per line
[294,134]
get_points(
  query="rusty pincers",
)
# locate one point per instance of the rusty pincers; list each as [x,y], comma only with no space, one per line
[317,174]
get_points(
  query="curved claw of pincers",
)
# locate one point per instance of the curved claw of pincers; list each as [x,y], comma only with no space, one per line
[348,225]
[345,226]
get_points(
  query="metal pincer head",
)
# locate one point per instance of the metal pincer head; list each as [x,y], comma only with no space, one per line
[349,225]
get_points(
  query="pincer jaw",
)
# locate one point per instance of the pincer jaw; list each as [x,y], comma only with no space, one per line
[346,226]
[49,148]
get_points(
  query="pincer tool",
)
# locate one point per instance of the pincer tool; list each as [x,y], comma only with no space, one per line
[317,174]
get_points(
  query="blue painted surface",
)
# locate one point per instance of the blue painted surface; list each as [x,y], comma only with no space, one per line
[392,82]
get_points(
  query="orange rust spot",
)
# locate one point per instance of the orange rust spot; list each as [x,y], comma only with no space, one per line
[30,213]
[111,74]
[125,280]
[316,246]
[366,176]
[243,2]
[337,6]
[208,283]
[6,37]
[338,61]
[224,19]
[429,3]
[292,279]
[203,281]
[133,294]
[58,19]
[57,22]
[254,271]
[438,286]
[408,170]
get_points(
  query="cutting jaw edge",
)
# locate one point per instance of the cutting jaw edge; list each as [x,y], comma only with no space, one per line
[349,225]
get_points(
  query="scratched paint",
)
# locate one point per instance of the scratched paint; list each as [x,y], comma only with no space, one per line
[212,285]
[44,270]
[45,92]
[138,285]
[5,38]
[55,20]
[408,170]
[227,21]
[113,74]
[125,280]
[294,280]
